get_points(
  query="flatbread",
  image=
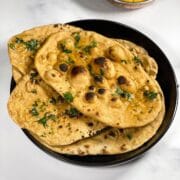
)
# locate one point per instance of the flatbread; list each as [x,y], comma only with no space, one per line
[148,63]
[23,59]
[35,106]
[112,141]
[100,61]
[22,47]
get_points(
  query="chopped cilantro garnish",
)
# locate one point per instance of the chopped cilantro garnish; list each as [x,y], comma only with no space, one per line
[76,38]
[11,45]
[52,117]
[45,118]
[64,49]
[19,40]
[123,93]
[69,61]
[150,95]
[97,77]
[88,48]
[137,60]
[31,45]
[68,97]
[42,106]
[72,112]
[43,121]
[119,91]
[34,111]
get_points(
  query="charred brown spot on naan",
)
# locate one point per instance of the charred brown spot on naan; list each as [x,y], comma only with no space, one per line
[52,75]
[122,80]
[104,67]
[79,77]
[63,67]
[90,97]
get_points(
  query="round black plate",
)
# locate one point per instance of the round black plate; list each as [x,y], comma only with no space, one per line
[166,79]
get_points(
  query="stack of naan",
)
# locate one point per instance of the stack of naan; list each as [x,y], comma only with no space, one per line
[80,93]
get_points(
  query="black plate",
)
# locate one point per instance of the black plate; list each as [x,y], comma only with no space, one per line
[166,78]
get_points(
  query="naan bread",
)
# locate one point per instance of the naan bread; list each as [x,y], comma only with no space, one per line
[22,47]
[112,141]
[123,95]
[35,106]
[148,63]
[22,57]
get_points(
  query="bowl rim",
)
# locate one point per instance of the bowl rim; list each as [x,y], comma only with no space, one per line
[67,158]
[131,3]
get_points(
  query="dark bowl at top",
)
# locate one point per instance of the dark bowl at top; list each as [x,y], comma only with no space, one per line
[166,78]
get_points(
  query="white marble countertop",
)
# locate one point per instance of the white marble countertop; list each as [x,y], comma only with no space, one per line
[19,158]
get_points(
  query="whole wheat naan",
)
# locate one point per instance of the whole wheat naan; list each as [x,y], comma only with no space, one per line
[112,141]
[35,106]
[123,95]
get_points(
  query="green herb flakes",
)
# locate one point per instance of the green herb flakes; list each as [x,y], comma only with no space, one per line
[19,40]
[87,49]
[96,76]
[150,95]
[11,45]
[45,119]
[69,61]
[123,93]
[64,49]
[72,112]
[137,60]
[31,45]
[34,111]
[76,38]
[68,97]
